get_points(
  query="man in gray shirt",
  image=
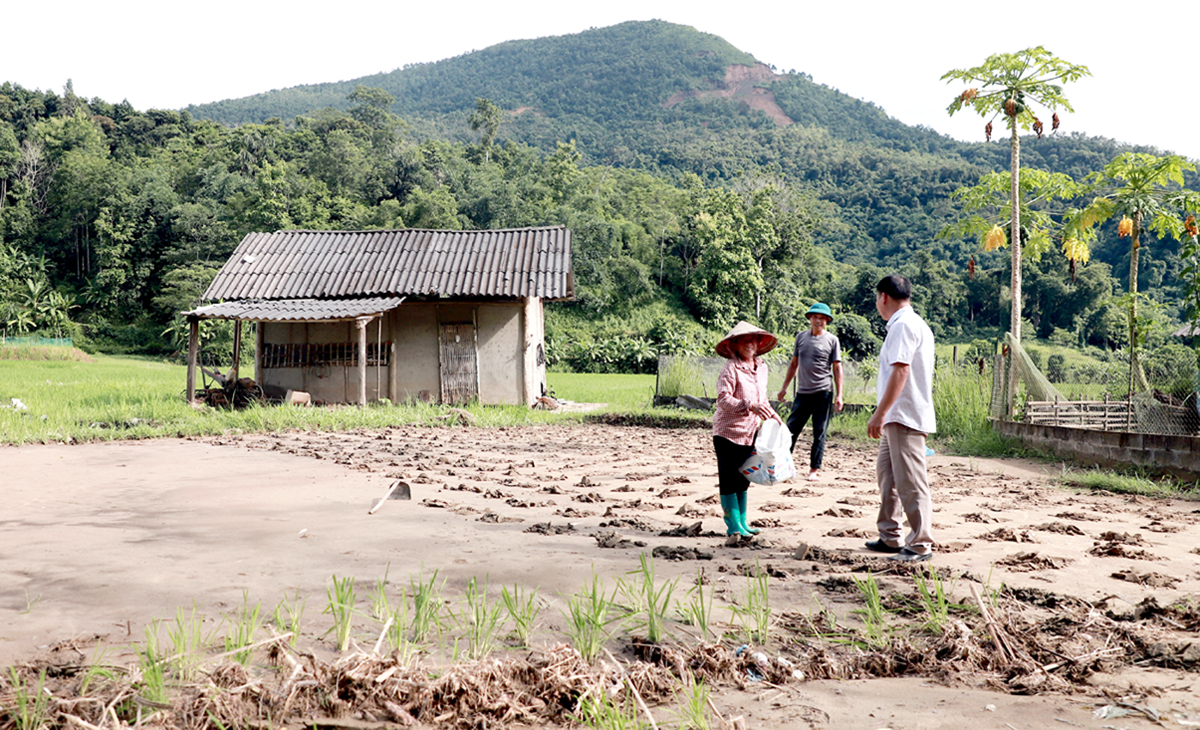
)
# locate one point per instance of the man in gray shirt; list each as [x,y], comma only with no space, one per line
[817,361]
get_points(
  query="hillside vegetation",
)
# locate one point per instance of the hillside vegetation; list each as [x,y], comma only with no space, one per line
[690,207]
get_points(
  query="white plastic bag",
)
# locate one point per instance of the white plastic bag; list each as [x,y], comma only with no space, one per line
[771,461]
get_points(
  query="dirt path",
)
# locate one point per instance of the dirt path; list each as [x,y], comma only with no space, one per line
[99,540]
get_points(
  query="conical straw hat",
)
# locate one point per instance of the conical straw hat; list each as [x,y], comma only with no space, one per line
[766,340]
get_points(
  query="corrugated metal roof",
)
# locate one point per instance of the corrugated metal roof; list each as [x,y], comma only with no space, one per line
[296,310]
[506,263]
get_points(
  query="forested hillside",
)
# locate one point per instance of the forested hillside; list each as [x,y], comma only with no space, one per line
[696,195]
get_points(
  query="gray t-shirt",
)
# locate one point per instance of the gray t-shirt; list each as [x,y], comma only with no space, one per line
[816,356]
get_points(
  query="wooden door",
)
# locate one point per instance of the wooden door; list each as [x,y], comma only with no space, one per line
[459,363]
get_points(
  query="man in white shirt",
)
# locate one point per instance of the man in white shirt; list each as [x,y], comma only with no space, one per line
[902,419]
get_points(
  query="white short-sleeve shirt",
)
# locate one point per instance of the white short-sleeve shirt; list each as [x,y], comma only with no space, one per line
[909,341]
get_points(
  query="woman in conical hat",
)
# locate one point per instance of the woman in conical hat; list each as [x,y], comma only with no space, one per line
[741,405]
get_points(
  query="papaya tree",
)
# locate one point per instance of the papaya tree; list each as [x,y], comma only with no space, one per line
[1013,85]
[987,209]
[1146,191]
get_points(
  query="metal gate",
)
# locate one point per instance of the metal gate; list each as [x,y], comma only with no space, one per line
[459,363]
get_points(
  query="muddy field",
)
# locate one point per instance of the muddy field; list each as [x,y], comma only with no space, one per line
[1093,599]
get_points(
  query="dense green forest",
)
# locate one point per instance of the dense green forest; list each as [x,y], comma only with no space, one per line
[685,216]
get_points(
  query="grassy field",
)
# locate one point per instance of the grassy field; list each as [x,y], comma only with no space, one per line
[111,397]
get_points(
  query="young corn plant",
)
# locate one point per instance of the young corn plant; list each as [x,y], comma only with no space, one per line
[288,614]
[934,597]
[648,602]
[340,606]
[874,616]
[697,611]
[427,606]
[32,709]
[523,610]
[755,612]
[244,626]
[588,617]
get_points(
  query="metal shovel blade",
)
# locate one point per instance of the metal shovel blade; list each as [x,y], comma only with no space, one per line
[397,490]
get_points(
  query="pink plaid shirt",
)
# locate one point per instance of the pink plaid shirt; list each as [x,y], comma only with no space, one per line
[739,386]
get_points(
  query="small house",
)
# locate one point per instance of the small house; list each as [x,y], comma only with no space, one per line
[358,316]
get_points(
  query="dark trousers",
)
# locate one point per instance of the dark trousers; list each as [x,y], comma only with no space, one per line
[730,457]
[818,407]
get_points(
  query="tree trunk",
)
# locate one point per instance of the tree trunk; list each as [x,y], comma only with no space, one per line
[1136,376]
[1014,243]
[1015,236]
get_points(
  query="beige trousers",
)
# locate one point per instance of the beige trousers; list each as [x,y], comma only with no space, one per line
[904,489]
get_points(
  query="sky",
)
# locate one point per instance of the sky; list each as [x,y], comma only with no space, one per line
[893,54]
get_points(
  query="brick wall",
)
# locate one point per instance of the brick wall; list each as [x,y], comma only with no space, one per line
[1175,455]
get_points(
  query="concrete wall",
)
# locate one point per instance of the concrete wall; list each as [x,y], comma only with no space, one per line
[413,329]
[1175,455]
[332,384]
[498,336]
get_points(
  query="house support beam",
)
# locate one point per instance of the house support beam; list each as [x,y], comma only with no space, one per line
[193,351]
[237,350]
[530,338]
[361,323]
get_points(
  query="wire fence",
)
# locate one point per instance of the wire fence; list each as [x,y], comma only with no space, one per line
[697,376]
[1152,392]
[33,341]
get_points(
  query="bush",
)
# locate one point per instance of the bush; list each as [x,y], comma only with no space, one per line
[854,333]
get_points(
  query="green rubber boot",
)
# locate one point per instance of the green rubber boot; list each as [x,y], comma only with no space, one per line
[732,514]
[743,522]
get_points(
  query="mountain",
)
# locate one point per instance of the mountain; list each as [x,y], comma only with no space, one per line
[672,100]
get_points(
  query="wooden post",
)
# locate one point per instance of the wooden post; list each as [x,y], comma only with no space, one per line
[1106,411]
[258,352]
[362,323]
[955,357]
[1056,410]
[193,351]
[237,350]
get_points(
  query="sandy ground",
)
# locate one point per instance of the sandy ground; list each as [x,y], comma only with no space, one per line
[100,539]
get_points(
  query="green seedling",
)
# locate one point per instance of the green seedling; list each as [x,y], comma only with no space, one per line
[588,617]
[427,606]
[602,713]
[523,609]
[934,597]
[648,602]
[693,699]
[397,632]
[187,641]
[152,666]
[32,702]
[480,620]
[874,615]
[30,602]
[340,606]
[380,609]
[288,614]
[754,614]
[242,630]
[697,611]
[95,669]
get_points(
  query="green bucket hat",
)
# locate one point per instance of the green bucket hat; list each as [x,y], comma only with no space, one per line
[820,308]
